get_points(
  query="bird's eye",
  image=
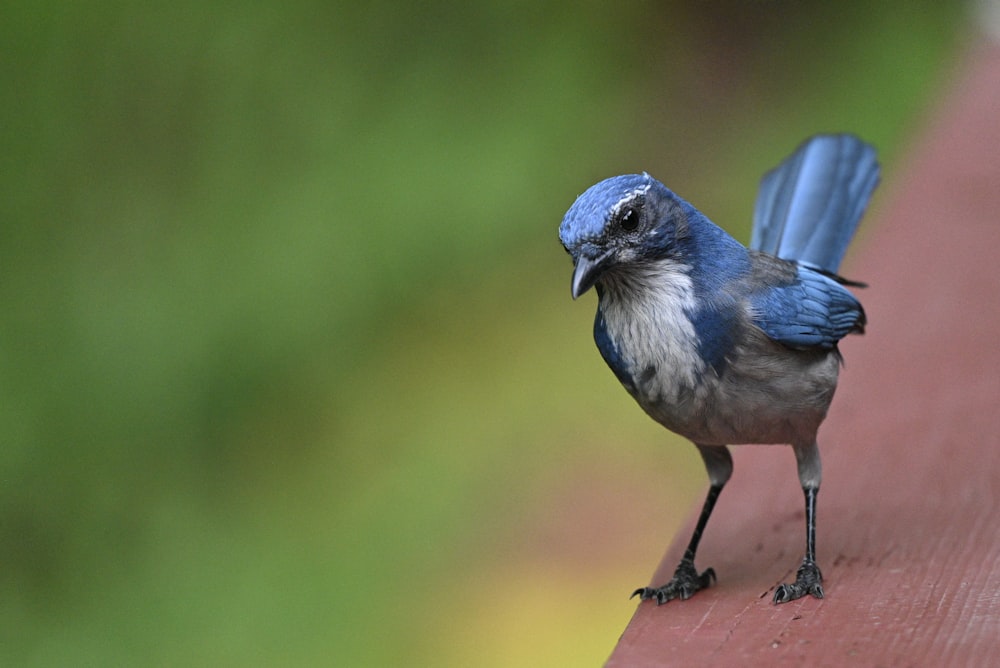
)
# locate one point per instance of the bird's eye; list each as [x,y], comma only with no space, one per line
[629,219]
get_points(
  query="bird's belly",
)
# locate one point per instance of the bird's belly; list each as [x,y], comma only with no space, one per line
[753,402]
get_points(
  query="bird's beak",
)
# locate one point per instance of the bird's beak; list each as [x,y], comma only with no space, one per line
[586,272]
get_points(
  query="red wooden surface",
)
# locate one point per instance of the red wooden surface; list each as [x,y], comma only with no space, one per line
[908,516]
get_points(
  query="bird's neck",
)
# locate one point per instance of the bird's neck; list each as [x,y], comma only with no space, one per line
[646,313]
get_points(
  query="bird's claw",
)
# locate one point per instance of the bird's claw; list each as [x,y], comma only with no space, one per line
[808,580]
[683,585]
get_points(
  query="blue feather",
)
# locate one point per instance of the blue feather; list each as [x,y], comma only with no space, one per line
[814,311]
[610,353]
[808,208]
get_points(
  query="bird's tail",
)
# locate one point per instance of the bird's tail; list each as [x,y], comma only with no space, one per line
[809,206]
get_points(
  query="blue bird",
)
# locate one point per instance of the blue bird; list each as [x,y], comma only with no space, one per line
[725,344]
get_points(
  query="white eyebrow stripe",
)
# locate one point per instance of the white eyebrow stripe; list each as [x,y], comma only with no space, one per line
[629,197]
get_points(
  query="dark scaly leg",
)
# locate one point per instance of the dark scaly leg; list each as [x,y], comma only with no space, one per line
[686,580]
[808,579]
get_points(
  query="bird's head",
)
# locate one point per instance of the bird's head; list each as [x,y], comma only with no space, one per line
[619,222]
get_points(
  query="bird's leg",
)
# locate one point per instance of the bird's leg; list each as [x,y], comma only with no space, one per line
[686,580]
[808,579]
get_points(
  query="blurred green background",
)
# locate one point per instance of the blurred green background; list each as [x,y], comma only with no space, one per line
[290,373]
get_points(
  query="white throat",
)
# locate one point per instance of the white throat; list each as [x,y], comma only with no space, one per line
[647,315]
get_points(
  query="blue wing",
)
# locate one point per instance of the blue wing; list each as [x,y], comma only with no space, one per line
[810,311]
[808,207]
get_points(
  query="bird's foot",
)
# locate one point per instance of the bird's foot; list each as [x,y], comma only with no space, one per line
[808,580]
[683,585]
